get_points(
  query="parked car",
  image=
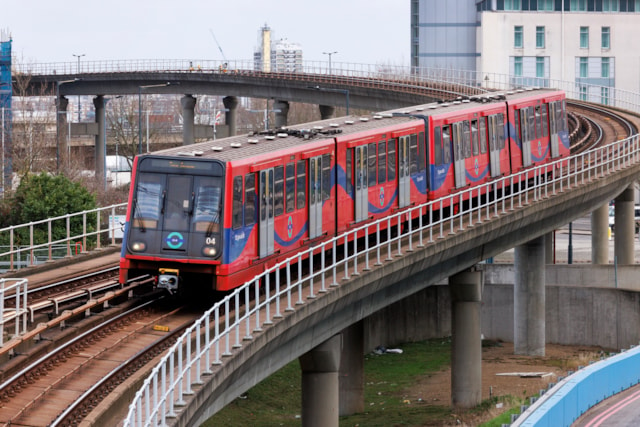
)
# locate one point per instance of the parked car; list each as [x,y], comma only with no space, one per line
[612,217]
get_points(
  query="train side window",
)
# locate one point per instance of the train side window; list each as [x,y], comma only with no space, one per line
[422,154]
[326,176]
[474,138]
[236,215]
[500,130]
[446,145]
[531,125]
[300,184]
[538,111]
[437,146]
[349,171]
[249,199]
[413,149]
[545,121]
[290,187]
[382,162]
[371,162]
[466,138]
[482,128]
[516,122]
[391,160]
[278,190]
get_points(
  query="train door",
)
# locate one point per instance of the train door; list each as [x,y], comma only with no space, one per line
[361,181]
[266,227]
[459,168]
[315,197]
[554,138]
[404,177]
[177,203]
[526,117]
[494,145]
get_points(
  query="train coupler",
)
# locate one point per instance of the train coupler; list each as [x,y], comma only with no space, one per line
[168,279]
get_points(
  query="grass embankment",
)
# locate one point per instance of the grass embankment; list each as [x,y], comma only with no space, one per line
[392,397]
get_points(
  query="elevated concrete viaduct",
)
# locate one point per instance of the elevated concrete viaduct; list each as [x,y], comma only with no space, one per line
[315,322]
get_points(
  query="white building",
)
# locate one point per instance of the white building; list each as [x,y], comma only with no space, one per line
[278,56]
[590,42]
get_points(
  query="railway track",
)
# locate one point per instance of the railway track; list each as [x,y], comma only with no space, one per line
[61,387]
[595,124]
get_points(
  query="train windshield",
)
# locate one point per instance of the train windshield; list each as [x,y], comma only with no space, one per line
[177,203]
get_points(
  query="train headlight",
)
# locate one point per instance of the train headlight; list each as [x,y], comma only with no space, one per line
[209,251]
[138,246]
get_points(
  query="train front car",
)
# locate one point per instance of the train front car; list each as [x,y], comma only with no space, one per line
[174,220]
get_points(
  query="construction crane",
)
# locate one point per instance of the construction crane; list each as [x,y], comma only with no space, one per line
[219,48]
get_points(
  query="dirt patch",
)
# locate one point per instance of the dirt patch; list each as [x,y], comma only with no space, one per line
[498,358]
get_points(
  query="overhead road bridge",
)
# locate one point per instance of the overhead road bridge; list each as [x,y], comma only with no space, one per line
[374,88]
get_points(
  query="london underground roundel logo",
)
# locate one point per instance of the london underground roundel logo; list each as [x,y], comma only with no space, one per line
[174,240]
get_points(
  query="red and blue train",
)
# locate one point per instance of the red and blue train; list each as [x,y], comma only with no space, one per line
[217,213]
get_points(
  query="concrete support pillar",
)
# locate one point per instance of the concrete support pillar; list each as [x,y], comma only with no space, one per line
[101,140]
[62,129]
[188,103]
[327,111]
[549,248]
[466,342]
[231,104]
[352,370]
[600,235]
[281,109]
[320,384]
[529,299]
[625,227]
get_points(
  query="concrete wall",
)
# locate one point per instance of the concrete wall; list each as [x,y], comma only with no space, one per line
[578,310]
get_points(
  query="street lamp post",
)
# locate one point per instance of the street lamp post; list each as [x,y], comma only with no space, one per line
[78,72]
[329,53]
[325,89]
[140,114]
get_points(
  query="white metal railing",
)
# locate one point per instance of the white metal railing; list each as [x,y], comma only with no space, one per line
[98,225]
[18,289]
[242,313]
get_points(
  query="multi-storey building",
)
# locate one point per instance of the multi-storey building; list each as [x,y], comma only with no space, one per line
[280,56]
[590,42]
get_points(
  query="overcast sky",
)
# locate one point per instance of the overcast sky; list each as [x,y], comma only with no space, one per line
[361,31]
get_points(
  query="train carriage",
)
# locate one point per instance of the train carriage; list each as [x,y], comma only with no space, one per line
[223,211]
[468,145]
[537,128]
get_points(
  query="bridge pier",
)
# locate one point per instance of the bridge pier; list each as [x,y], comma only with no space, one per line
[327,111]
[549,249]
[529,298]
[62,132]
[466,341]
[625,227]
[188,103]
[281,110]
[230,118]
[320,393]
[600,235]
[352,370]
[101,140]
